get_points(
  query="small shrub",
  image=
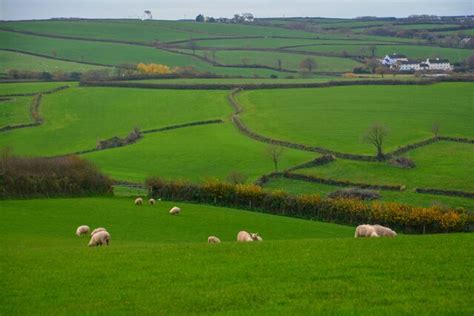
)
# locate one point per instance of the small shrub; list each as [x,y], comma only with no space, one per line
[402,162]
[355,193]
[236,177]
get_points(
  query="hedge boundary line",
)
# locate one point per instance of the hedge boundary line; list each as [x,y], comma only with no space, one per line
[410,219]
[323,160]
[32,94]
[463,194]
[148,131]
[34,113]
[340,183]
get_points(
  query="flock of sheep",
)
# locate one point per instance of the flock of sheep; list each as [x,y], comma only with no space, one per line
[100,236]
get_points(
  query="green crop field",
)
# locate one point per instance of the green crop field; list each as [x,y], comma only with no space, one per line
[157,262]
[310,116]
[19,61]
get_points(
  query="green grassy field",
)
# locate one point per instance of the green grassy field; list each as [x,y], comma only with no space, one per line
[406,197]
[440,165]
[15,111]
[76,118]
[18,61]
[218,81]
[157,263]
[337,117]
[31,87]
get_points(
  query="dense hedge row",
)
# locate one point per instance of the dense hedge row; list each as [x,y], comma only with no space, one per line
[463,194]
[404,149]
[457,139]
[409,219]
[46,177]
[195,123]
[324,159]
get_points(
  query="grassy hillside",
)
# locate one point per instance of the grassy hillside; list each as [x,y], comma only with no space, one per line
[15,111]
[337,117]
[158,263]
[31,87]
[18,61]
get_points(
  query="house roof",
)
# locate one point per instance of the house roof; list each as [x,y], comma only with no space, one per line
[410,62]
[438,61]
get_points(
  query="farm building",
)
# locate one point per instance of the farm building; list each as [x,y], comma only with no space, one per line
[429,64]
[390,60]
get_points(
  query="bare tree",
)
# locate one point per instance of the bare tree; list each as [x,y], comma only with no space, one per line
[193,46]
[373,50]
[308,64]
[279,63]
[372,64]
[435,129]
[236,177]
[376,136]
[381,70]
[275,152]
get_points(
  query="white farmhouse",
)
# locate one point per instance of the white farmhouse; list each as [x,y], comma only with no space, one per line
[410,65]
[438,64]
[390,60]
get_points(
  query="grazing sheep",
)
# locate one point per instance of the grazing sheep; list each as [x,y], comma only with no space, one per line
[138,201]
[81,230]
[244,236]
[384,231]
[152,201]
[258,238]
[365,231]
[99,229]
[175,211]
[213,240]
[100,239]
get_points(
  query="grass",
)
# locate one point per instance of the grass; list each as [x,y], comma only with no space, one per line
[406,197]
[218,81]
[30,87]
[161,264]
[18,61]
[442,165]
[193,153]
[337,117]
[15,111]
[77,117]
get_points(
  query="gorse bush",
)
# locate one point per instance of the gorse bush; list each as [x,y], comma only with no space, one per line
[409,219]
[50,177]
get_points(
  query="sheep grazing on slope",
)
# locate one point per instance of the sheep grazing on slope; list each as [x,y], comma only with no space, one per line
[384,231]
[138,201]
[365,231]
[152,201]
[244,236]
[99,239]
[99,229]
[213,240]
[81,230]
[175,211]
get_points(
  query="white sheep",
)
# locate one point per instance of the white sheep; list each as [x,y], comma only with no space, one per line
[99,229]
[99,239]
[152,201]
[258,237]
[138,201]
[244,236]
[213,240]
[81,230]
[384,231]
[365,231]
[175,211]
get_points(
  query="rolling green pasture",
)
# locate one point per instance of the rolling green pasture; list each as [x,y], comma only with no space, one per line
[337,117]
[15,111]
[193,153]
[75,119]
[406,197]
[442,165]
[19,61]
[30,87]
[289,61]
[412,51]
[158,263]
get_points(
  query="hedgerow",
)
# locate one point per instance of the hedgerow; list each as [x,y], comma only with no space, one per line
[409,219]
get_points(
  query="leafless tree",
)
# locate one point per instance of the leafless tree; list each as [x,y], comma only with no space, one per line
[275,152]
[308,64]
[376,136]
[435,129]
[373,50]
[279,64]
[236,177]
[193,46]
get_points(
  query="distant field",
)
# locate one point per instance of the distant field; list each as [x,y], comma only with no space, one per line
[193,153]
[218,81]
[405,197]
[15,111]
[75,119]
[157,263]
[440,165]
[288,61]
[337,117]
[30,87]
[18,61]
